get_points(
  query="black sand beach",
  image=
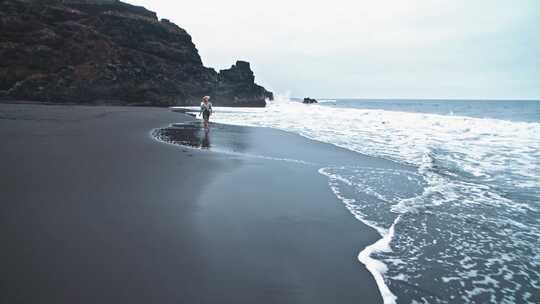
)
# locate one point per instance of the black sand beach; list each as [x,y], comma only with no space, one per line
[95,210]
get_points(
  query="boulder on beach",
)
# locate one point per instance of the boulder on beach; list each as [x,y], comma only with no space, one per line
[309,100]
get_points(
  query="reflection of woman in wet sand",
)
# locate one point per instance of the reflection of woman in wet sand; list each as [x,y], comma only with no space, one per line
[206,110]
[205,142]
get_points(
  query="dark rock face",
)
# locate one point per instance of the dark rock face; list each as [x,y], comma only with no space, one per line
[106,51]
[309,100]
[239,81]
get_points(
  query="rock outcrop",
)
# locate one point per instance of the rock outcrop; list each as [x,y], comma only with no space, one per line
[309,100]
[107,51]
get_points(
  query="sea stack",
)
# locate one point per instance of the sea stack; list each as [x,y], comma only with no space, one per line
[109,52]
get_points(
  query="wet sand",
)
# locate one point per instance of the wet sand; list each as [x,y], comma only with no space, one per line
[94,209]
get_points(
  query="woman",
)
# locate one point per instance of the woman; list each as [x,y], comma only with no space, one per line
[206,110]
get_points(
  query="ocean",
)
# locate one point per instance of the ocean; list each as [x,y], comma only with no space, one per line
[464,226]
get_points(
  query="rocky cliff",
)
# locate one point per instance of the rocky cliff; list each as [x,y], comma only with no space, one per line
[107,51]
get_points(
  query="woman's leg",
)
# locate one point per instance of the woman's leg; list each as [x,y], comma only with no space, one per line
[206,117]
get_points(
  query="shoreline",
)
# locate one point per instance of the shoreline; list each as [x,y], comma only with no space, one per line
[293,161]
[376,268]
[133,228]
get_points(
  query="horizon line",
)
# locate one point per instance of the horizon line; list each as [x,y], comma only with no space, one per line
[425,99]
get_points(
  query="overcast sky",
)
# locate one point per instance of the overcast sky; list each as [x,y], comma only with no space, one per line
[369,48]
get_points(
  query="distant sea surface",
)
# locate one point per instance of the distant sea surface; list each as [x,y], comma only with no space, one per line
[513,110]
[464,227]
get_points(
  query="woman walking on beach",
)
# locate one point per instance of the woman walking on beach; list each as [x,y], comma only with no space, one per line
[206,110]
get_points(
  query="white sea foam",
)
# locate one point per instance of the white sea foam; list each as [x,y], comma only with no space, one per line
[480,147]
[375,267]
[378,268]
